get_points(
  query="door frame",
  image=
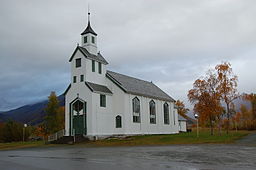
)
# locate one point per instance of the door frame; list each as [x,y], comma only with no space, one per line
[71,116]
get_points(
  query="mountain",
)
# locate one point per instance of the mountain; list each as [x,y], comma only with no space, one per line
[238,102]
[31,114]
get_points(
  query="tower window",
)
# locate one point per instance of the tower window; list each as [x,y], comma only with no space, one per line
[93,40]
[93,66]
[81,78]
[85,39]
[102,100]
[78,62]
[74,79]
[100,69]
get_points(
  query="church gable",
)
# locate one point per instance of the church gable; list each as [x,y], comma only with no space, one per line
[86,54]
[75,53]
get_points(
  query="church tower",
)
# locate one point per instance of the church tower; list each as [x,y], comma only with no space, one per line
[89,38]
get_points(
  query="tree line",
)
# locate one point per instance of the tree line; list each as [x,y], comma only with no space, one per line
[12,131]
[213,97]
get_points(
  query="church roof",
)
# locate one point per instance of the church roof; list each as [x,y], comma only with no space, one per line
[69,86]
[97,57]
[89,30]
[138,87]
[97,88]
[181,118]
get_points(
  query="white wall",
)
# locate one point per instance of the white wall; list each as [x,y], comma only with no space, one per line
[120,103]
[95,77]
[79,88]
[83,93]
[182,126]
[92,48]
[101,120]
[145,127]
[86,70]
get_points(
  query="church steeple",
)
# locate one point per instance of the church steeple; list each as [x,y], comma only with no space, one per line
[89,38]
[89,28]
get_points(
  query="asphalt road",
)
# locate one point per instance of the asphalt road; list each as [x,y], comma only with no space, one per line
[181,157]
[249,140]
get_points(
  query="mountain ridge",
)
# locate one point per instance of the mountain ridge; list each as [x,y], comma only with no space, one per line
[31,114]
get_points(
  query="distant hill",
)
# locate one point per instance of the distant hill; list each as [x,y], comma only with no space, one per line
[31,114]
[239,102]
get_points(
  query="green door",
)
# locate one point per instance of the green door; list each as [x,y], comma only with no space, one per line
[78,123]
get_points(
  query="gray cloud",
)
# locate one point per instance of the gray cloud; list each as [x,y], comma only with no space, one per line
[168,42]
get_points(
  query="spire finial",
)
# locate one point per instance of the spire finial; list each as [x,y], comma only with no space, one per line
[88,28]
[89,13]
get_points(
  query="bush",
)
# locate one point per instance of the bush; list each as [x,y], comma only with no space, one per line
[12,131]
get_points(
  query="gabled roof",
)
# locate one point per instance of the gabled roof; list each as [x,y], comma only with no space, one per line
[181,118]
[138,87]
[67,89]
[97,57]
[175,106]
[97,88]
[89,30]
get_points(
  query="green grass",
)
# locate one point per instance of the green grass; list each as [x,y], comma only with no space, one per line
[181,138]
[18,145]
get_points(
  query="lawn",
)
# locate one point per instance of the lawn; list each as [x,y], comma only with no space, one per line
[181,138]
[18,145]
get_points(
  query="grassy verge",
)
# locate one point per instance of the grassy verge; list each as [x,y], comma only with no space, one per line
[182,138]
[18,145]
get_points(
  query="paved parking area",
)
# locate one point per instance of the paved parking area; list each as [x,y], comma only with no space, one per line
[181,157]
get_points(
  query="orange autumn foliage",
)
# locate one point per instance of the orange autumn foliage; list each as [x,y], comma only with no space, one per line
[252,99]
[41,131]
[182,110]
[217,86]
[205,98]
[227,87]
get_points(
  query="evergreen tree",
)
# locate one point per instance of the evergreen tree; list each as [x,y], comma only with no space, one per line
[51,119]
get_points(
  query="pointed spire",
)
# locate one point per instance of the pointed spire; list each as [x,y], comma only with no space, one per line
[88,28]
[89,13]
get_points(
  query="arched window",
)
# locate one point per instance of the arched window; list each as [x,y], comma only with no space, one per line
[152,112]
[166,114]
[136,110]
[118,121]
[78,107]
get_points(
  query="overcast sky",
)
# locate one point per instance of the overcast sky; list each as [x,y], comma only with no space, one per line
[169,42]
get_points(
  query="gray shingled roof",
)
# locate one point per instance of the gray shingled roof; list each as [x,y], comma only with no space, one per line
[97,57]
[138,87]
[97,88]
[181,118]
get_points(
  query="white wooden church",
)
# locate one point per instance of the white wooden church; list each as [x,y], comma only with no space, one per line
[101,103]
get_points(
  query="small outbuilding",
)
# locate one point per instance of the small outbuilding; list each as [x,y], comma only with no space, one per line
[182,124]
